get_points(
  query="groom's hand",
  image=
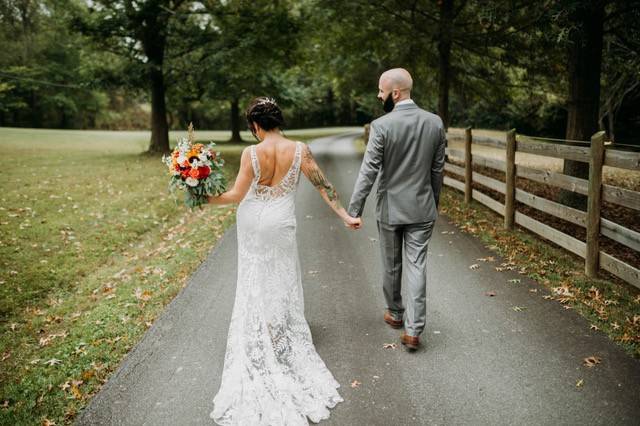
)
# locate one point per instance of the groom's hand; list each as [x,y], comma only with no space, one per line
[354,222]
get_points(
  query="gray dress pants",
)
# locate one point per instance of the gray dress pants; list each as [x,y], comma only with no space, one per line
[415,238]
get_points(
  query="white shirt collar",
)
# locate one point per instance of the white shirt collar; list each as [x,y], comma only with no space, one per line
[405,101]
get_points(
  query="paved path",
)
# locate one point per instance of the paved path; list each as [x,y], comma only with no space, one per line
[483,363]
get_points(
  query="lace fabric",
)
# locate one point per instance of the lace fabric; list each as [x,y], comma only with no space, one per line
[272,374]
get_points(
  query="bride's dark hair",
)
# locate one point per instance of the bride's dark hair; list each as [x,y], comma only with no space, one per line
[265,112]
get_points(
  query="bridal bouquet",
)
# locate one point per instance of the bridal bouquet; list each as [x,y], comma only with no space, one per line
[197,169]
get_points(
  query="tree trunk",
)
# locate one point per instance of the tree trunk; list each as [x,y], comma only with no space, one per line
[154,39]
[584,60]
[444,59]
[159,126]
[611,119]
[235,120]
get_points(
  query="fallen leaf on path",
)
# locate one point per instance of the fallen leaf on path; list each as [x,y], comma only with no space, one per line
[490,293]
[579,383]
[519,308]
[594,327]
[514,281]
[486,259]
[533,290]
[355,384]
[474,267]
[591,361]
[389,346]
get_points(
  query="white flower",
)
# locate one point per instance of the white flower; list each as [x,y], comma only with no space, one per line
[181,159]
[202,156]
[175,172]
[191,181]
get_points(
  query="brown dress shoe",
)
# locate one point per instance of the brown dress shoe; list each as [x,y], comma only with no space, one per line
[391,321]
[411,342]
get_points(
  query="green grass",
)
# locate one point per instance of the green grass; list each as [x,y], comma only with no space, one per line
[92,248]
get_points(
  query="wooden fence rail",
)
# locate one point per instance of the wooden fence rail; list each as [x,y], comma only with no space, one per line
[597,155]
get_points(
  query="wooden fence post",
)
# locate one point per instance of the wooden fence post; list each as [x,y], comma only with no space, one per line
[510,181]
[593,204]
[468,169]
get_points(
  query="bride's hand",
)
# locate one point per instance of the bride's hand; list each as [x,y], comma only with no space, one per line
[353,222]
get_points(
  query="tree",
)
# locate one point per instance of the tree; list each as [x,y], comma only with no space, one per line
[42,78]
[253,41]
[584,59]
[137,31]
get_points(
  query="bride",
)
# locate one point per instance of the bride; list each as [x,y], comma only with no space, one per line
[272,373]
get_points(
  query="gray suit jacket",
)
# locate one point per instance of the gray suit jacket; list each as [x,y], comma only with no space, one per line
[406,148]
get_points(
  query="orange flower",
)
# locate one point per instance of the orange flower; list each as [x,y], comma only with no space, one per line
[194,173]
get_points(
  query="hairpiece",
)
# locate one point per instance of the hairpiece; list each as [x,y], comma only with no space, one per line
[266,101]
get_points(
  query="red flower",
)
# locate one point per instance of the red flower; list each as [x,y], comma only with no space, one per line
[203,171]
[194,173]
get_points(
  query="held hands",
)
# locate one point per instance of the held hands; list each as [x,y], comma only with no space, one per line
[353,222]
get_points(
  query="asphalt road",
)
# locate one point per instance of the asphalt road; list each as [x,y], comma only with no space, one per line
[481,363]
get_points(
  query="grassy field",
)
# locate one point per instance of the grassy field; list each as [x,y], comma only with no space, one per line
[92,248]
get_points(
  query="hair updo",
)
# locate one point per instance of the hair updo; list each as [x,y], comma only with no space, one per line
[265,113]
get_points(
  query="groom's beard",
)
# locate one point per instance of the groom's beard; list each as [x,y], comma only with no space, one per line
[388,104]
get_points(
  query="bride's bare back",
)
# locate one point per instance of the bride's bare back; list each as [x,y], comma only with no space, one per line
[276,158]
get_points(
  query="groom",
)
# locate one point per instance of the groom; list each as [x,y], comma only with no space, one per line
[406,148]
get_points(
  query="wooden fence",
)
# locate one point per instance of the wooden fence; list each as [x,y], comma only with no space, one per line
[596,155]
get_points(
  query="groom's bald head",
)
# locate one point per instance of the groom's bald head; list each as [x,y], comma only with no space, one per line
[397,81]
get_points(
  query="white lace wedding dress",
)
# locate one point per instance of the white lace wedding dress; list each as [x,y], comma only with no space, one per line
[272,373]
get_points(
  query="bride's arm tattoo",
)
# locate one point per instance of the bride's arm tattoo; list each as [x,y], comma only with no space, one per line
[318,180]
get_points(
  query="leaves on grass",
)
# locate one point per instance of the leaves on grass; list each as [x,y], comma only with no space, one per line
[594,327]
[142,295]
[53,361]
